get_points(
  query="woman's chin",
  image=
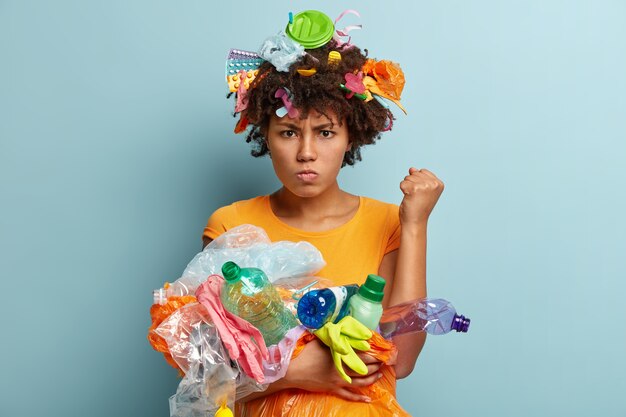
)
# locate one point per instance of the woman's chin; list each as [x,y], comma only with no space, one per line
[305,191]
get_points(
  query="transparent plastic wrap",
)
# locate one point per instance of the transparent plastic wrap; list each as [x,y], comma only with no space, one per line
[160,312]
[194,344]
[281,51]
[292,289]
[211,378]
[249,246]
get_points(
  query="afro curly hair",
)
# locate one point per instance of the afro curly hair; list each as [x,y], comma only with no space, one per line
[319,92]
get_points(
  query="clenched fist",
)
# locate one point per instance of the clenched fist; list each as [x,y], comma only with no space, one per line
[421,190]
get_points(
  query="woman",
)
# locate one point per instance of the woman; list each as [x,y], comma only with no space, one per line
[312,125]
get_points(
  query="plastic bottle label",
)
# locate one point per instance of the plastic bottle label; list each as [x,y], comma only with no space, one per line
[340,295]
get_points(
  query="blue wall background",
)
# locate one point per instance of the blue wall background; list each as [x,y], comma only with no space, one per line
[116,146]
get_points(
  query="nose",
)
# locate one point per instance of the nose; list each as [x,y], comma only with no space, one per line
[307,150]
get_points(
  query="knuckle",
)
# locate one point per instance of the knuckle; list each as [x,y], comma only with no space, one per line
[357,382]
[369,380]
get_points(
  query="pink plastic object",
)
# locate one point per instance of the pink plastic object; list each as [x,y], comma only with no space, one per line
[354,83]
[242,94]
[280,355]
[343,33]
[289,109]
[243,341]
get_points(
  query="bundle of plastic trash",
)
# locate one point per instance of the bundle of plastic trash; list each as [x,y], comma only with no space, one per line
[220,354]
[244,306]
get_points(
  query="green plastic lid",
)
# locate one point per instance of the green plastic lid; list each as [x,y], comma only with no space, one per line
[231,270]
[311,29]
[373,288]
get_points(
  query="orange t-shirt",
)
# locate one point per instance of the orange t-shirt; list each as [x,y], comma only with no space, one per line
[351,251]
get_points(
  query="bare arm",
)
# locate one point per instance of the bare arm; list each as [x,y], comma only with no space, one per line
[313,370]
[405,272]
[405,269]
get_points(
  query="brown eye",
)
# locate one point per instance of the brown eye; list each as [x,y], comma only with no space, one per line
[288,133]
[327,134]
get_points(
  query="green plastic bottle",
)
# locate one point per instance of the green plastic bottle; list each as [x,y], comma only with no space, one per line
[248,293]
[366,305]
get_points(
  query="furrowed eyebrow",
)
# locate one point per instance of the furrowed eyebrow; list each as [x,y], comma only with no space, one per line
[289,125]
[296,127]
[324,126]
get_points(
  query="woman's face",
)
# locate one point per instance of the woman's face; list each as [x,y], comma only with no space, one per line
[307,153]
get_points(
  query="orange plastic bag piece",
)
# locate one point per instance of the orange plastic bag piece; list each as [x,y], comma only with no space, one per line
[300,403]
[388,75]
[158,313]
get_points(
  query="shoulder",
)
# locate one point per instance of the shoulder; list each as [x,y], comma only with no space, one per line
[239,207]
[251,203]
[387,215]
[384,218]
[227,217]
[377,207]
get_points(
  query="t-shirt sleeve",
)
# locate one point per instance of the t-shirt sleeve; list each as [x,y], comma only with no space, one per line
[393,229]
[219,222]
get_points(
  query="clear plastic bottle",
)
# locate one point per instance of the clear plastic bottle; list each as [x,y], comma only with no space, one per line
[434,316]
[366,305]
[248,293]
[317,307]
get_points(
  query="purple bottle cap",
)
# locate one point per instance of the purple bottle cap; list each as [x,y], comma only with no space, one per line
[460,323]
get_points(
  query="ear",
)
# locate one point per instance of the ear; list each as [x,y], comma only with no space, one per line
[349,146]
[263,130]
[267,145]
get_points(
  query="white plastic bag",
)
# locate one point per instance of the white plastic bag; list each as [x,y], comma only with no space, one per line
[210,378]
[250,247]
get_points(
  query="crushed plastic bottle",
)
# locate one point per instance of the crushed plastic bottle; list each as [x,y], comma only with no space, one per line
[248,293]
[435,316]
[317,307]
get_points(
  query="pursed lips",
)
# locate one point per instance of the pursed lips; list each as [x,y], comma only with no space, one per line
[307,175]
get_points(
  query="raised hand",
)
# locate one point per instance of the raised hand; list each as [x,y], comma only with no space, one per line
[421,189]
